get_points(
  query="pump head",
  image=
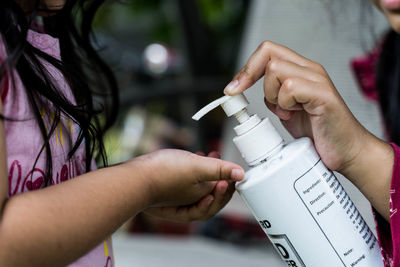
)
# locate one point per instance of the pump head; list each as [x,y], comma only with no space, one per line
[230,104]
[256,138]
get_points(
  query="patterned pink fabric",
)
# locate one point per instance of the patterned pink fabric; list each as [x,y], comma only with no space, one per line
[24,141]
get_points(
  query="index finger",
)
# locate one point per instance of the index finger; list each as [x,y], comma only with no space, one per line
[255,66]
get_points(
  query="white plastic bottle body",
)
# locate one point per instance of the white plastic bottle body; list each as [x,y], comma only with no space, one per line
[306,213]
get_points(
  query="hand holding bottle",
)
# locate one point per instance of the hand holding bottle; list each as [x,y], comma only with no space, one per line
[300,92]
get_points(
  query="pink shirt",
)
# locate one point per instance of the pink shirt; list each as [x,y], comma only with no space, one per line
[24,141]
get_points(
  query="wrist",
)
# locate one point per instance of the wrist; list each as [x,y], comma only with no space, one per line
[137,172]
[370,170]
[370,154]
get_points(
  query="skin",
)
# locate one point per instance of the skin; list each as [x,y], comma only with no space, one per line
[183,186]
[300,92]
[58,224]
[393,16]
[172,184]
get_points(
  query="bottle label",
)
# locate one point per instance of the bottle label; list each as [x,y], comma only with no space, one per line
[306,212]
[330,206]
[286,250]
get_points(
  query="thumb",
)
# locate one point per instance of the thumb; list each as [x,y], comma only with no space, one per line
[213,169]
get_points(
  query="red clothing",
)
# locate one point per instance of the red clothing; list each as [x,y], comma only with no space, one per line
[388,233]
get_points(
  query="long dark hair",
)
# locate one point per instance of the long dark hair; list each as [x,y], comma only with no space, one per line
[92,82]
[388,84]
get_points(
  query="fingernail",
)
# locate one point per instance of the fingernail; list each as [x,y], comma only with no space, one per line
[231,87]
[237,174]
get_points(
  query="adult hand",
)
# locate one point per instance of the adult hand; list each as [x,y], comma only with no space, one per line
[300,92]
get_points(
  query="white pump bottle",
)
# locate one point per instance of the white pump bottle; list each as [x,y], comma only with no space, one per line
[299,203]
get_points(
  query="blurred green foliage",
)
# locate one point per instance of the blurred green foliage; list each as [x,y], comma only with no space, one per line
[160,18]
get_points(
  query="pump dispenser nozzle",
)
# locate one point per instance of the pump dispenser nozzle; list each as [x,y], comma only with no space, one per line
[257,138]
[231,105]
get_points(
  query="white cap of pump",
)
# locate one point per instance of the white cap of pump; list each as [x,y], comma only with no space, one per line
[230,104]
[256,139]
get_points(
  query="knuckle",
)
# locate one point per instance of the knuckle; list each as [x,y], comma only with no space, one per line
[246,73]
[318,67]
[289,85]
[265,45]
[272,65]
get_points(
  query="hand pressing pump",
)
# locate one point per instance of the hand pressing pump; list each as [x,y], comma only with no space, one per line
[299,203]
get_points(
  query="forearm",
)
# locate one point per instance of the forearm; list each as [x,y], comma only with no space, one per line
[371,171]
[55,225]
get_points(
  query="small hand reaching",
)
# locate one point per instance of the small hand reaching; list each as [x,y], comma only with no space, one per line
[186,186]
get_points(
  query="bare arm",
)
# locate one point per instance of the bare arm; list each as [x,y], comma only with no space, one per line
[56,225]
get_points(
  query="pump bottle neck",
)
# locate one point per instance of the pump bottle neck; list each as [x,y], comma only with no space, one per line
[268,156]
[256,139]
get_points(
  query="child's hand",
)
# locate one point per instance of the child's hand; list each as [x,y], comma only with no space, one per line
[201,210]
[300,92]
[185,186]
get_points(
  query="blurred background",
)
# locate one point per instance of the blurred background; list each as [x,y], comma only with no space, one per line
[172,57]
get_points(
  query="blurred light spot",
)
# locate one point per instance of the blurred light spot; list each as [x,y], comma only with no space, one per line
[156,58]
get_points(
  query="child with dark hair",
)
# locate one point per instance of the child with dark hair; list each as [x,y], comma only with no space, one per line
[50,76]
[300,92]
